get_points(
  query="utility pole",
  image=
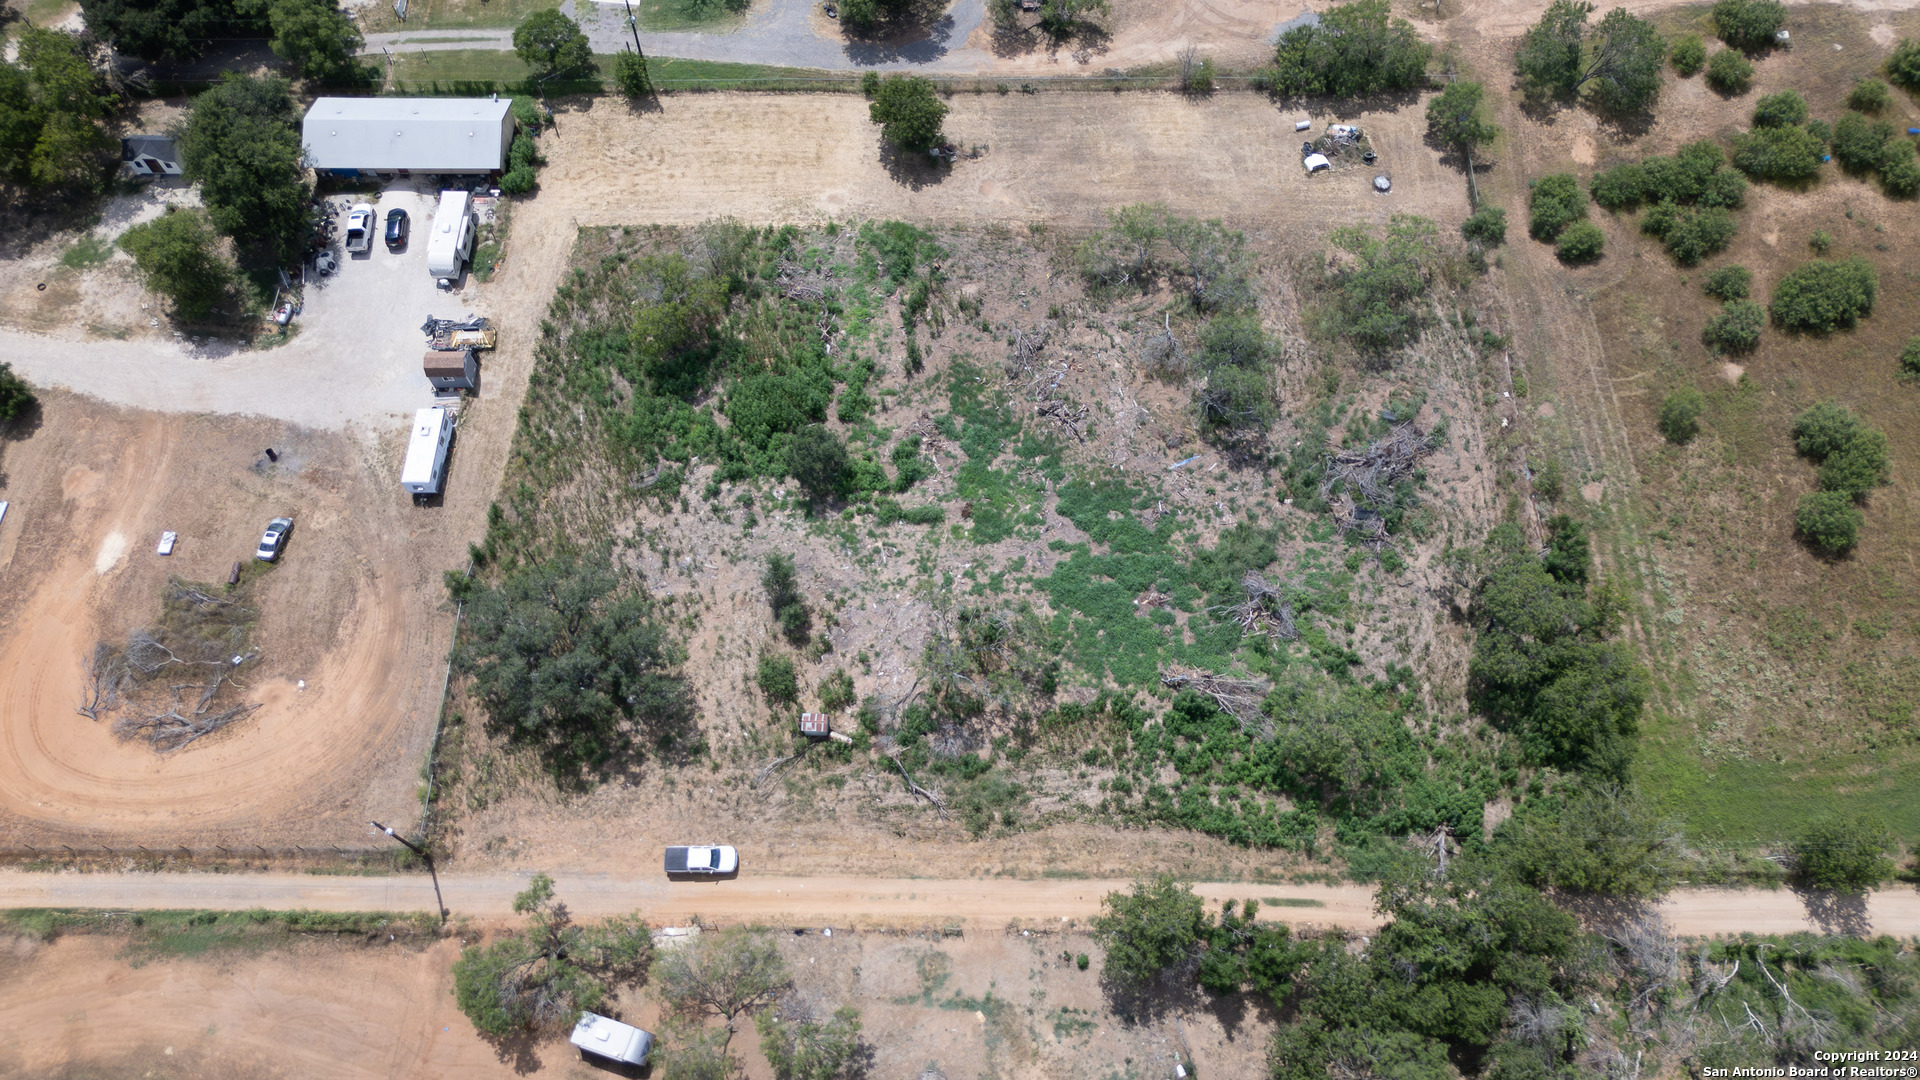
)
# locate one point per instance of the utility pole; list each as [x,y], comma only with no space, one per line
[635,27]
[428,857]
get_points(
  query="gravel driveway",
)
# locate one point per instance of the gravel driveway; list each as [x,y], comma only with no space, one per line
[779,34]
[355,358]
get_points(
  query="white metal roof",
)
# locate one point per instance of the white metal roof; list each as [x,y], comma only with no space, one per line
[422,134]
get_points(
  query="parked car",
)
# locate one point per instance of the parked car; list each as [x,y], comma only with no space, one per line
[360,228]
[611,1039]
[396,229]
[702,859]
[274,540]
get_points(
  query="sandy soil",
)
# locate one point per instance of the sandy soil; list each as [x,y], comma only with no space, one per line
[1063,158]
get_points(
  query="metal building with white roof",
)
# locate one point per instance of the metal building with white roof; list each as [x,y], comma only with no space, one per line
[393,134]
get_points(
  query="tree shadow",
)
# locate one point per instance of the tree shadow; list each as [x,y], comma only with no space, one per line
[1172,991]
[914,171]
[1019,38]
[920,35]
[1836,912]
[1605,915]
[517,1051]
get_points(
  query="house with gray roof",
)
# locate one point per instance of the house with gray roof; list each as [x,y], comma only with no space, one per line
[390,135]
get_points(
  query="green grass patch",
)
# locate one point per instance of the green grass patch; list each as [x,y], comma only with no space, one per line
[477,71]
[184,934]
[87,251]
[708,15]
[1291,901]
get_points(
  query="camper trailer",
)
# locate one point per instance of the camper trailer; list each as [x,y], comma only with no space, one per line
[426,464]
[451,243]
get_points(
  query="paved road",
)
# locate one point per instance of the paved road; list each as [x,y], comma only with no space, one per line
[779,34]
[825,901]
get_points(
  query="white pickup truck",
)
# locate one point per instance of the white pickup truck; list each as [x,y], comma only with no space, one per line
[360,228]
[702,859]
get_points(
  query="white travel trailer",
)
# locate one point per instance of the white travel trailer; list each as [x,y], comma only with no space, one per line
[451,244]
[426,464]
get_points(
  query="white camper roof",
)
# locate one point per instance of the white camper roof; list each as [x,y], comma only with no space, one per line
[422,445]
[1315,162]
[381,134]
[611,1039]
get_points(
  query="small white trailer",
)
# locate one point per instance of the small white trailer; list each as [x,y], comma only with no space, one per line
[425,467]
[451,243]
[611,1039]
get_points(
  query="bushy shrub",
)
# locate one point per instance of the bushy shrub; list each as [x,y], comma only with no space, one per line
[1899,174]
[870,83]
[1729,72]
[1903,66]
[1787,154]
[1829,520]
[1581,243]
[1869,95]
[16,397]
[517,181]
[1725,188]
[1619,188]
[1748,24]
[1736,329]
[817,458]
[1680,414]
[1555,202]
[630,74]
[1732,282]
[1691,233]
[1859,465]
[1689,55]
[1909,357]
[1683,178]
[1825,295]
[1823,428]
[1488,225]
[778,679]
[1857,142]
[1780,109]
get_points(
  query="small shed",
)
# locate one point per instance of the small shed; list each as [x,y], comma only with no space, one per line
[1313,163]
[815,724]
[451,369]
[149,156]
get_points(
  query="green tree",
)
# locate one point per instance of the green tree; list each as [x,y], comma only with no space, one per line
[1785,154]
[725,974]
[1736,329]
[864,14]
[1829,520]
[315,38]
[179,257]
[51,108]
[1378,292]
[1680,414]
[1244,953]
[552,45]
[630,74]
[1688,56]
[1748,24]
[1903,64]
[1595,838]
[241,141]
[1780,109]
[801,1046]
[1846,854]
[1859,465]
[1617,63]
[784,597]
[1825,295]
[1157,926]
[1729,72]
[1554,202]
[1824,428]
[565,656]
[1235,399]
[1355,50]
[1910,357]
[1581,243]
[1859,144]
[909,112]
[546,977]
[690,1052]
[817,458]
[175,29]
[16,397]
[1062,19]
[1619,188]
[1455,117]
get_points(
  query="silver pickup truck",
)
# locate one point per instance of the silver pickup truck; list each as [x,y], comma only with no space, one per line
[703,859]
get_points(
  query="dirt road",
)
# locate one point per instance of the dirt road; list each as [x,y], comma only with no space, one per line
[820,901]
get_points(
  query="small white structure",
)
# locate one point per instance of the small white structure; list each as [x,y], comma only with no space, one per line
[350,136]
[611,1039]
[1302,125]
[1313,163]
[149,156]
[451,242]
[1382,185]
[425,467]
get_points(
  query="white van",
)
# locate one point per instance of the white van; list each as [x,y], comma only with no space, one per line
[451,244]
[425,467]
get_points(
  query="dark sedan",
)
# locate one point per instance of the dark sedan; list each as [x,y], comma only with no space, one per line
[396,229]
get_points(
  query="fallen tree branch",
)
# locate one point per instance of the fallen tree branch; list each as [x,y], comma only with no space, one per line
[918,790]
